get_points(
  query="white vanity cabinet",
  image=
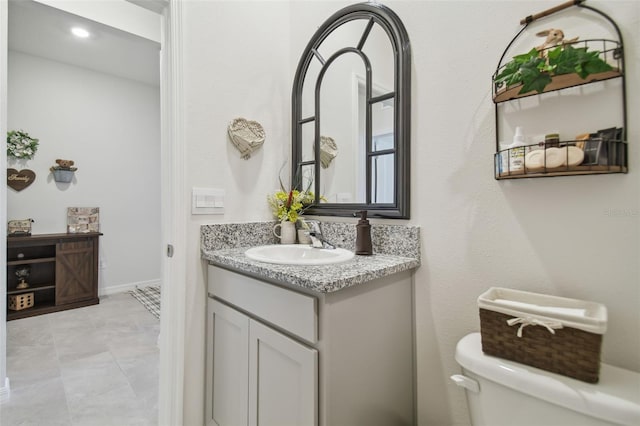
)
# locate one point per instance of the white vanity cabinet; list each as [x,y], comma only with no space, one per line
[261,376]
[283,356]
[228,335]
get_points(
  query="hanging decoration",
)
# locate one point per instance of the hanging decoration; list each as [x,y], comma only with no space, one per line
[20,145]
[20,179]
[63,170]
[328,151]
[246,135]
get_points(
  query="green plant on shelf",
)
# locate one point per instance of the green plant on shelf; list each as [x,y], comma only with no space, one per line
[535,69]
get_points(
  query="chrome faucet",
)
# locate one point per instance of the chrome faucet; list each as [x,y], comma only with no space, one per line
[317,240]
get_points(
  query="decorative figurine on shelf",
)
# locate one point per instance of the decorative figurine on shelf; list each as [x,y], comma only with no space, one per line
[554,37]
[19,228]
[63,172]
[23,272]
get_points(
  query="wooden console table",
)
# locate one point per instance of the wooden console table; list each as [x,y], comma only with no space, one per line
[63,271]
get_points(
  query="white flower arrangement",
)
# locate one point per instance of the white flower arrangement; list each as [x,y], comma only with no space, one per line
[21,145]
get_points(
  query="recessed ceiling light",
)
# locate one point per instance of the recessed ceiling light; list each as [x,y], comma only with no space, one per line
[80,32]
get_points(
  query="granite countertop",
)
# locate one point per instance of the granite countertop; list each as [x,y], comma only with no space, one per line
[396,249]
[321,278]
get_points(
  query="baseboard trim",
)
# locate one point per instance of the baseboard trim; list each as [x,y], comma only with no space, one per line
[5,391]
[121,288]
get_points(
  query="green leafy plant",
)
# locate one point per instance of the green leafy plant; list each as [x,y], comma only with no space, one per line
[535,69]
[21,145]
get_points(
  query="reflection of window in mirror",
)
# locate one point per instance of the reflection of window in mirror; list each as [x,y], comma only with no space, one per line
[361,137]
[307,180]
[382,149]
[382,169]
[307,142]
[337,120]
[379,50]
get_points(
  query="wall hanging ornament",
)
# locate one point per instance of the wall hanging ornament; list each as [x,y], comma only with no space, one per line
[246,135]
[20,179]
[20,145]
[328,151]
[63,170]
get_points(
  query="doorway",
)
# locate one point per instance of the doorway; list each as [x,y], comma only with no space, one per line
[66,193]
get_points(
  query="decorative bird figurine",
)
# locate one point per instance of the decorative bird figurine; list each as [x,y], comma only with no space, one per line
[554,37]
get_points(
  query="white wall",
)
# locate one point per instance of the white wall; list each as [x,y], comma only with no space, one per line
[570,236]
[110,127]
[237,64]
[547,235]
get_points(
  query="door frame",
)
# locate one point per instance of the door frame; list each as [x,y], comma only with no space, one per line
[4,34]
[173,214]
[173,219]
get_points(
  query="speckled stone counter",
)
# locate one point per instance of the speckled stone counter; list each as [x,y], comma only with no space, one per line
[396,249]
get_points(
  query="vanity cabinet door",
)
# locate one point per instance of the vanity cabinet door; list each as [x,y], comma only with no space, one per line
[227,366]
[283,379]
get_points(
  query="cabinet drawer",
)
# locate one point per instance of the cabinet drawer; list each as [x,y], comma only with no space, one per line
[291,311]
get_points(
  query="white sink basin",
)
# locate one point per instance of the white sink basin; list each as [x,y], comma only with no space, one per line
[297,254]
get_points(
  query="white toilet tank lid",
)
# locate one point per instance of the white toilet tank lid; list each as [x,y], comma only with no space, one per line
[616,398]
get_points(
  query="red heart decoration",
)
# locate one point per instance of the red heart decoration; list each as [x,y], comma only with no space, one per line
[19,180]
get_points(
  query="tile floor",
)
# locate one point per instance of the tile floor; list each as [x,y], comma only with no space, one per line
[91,366]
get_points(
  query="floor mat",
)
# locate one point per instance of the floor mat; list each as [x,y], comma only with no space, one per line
[149,297]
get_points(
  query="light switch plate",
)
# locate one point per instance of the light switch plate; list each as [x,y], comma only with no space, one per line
[207,201]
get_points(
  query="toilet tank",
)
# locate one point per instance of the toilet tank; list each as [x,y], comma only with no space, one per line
[505,393]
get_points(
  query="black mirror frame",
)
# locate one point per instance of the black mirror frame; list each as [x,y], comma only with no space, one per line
[393,26]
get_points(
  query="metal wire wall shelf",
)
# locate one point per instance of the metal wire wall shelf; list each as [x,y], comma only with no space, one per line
[600,157]
[610,52]
[602,153]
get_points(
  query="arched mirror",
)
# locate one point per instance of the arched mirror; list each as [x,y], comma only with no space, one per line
[351,114]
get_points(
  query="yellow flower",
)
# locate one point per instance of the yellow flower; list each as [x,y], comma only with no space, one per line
[289,205]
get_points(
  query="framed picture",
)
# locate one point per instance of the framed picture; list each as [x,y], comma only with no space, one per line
[83,219]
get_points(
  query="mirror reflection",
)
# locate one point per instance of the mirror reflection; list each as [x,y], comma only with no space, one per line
[351,113]
[340,115]
[382,152]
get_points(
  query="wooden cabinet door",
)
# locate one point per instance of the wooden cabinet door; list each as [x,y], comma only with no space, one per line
[227,366]
[283,379]
[75,271]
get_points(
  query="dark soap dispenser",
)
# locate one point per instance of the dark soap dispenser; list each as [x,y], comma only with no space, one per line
[363,235]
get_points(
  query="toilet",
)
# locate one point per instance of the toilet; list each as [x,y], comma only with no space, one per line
[506,393]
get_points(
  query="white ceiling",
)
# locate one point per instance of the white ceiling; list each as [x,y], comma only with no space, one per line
[44,31]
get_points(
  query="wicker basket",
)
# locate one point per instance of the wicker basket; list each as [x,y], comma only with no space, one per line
[20,301]
[556,334]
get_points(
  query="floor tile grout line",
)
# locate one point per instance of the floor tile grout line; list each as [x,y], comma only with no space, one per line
[142,409]
[50,319]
